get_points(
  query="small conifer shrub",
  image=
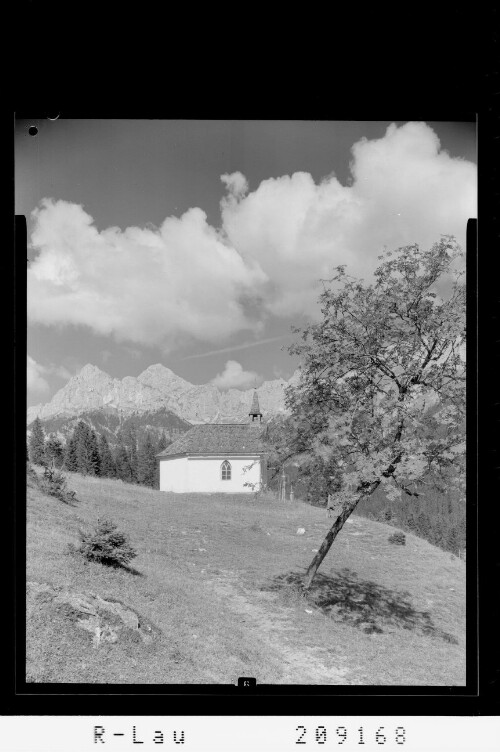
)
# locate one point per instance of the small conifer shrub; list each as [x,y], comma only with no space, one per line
[106,545]
[399,538]
[53,483]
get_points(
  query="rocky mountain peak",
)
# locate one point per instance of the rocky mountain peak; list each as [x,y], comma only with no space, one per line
[154,389]
[90,371]
[159,376]
[160,368]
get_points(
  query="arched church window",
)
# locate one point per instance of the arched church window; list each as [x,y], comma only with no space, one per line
[225,470]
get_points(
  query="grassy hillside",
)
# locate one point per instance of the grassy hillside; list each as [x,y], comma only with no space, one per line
[211,595]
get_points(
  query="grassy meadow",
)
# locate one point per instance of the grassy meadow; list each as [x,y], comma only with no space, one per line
[214,585]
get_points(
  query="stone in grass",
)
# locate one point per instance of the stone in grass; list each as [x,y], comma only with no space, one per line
[398,539]
[108,621]
[301,530]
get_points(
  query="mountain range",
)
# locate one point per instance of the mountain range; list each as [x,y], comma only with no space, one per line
[154,398]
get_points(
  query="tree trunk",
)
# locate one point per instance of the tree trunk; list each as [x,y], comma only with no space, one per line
[332,534]
[347,511]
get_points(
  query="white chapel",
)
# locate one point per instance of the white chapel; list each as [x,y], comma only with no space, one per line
[217,457]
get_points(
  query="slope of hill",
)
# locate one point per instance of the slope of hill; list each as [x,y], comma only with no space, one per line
[212,596]
[156,388]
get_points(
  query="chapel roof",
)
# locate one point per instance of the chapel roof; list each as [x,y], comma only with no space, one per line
[219,438]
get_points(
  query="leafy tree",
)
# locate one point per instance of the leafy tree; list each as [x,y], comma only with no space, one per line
[108,468]
[320,477]
[462,532]
[162,443]
[128,438]
[122,464]
[94,454]
[381,389]
[133,462]
[399,538]
[437,534]
[423,525]
[53,483]
[70,460]
[411,524]
[452,540]
[80,435]
[82,452]
[54,451]
[88,452]
[37,443]
[146,463]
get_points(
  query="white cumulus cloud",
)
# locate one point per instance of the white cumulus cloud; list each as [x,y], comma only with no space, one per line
[236,184]
[404,190]
[142,285]
[187,279]
[35,376]
[36,373]
[62,372]
[235,377]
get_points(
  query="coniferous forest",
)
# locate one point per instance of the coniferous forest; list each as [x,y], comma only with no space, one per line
[130,460]
[437,517]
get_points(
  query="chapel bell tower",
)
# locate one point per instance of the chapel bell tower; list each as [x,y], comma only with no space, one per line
[255,409]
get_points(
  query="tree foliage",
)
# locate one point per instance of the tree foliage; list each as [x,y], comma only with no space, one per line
[108,468]
[37,444]
[53,483]
[106,545]
[321,477]
[54,451]
[163,443]
[127,437]
[381,392]
[431,516]
[82,453]
[398,538]
[88,454]
[70,461]
[146,463]
[122,464]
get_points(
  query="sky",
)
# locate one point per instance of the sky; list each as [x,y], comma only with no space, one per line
[199,244]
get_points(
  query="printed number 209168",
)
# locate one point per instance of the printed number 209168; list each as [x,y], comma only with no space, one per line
[341,735]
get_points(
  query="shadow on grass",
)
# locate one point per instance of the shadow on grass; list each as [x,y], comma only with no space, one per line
[362,603]
[70,501]
[111,564]
[125,568]
[72,550]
